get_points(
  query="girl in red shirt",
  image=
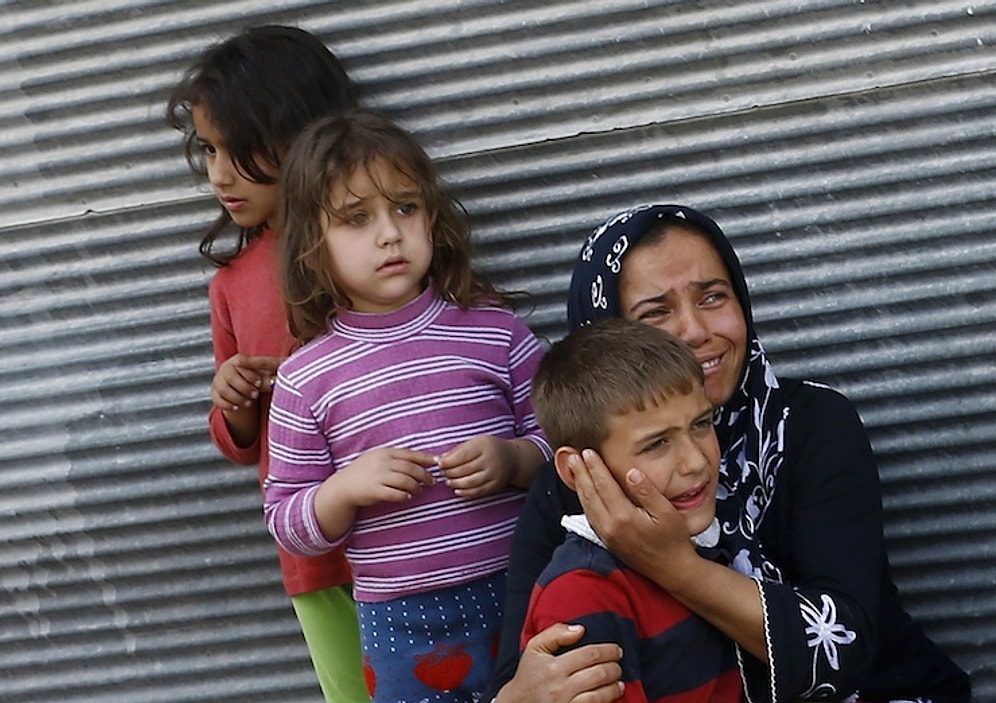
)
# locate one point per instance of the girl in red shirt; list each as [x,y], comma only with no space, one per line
[239,106]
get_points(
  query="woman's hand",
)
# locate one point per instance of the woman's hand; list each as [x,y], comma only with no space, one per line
[652,537]
[646,532]
[588,674]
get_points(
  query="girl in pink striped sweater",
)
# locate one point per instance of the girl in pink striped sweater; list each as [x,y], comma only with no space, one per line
[402,427]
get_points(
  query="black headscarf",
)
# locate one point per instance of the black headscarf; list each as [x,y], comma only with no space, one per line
[750,426]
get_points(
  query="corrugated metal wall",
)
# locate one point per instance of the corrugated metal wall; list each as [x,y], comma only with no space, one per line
[849,147]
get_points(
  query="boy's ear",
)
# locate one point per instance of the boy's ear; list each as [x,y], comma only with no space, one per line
[560,458]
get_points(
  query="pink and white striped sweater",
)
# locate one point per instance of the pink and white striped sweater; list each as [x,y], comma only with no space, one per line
[427,376]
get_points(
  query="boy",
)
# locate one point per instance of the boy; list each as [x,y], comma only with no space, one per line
[635,395]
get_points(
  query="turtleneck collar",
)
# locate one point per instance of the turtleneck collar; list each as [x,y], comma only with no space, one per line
[411,318]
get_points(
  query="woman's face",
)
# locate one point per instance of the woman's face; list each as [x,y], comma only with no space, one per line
[680,285]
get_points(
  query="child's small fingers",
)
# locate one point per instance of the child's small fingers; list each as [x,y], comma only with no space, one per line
[467,468]
[452,458]
[263,365]
[237,394]
[394,495]
[466,482]
[409,473]
[266,384]
[224,403]
[453,472]
[245,384]
[475,492]
[407,487]
[225,406]
[419,458]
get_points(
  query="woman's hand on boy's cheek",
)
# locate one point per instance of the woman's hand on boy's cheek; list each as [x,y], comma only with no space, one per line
[638,524]
[599,492]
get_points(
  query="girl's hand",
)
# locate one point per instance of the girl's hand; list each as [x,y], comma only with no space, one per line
[590,673]
[646,531]
[241,379]
[480,466]
[385,475]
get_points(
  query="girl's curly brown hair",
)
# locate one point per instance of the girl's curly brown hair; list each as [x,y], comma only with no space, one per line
[327,153]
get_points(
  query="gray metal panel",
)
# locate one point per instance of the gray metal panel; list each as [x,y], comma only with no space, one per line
[847,147]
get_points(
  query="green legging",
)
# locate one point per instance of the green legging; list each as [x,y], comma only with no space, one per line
[328,621]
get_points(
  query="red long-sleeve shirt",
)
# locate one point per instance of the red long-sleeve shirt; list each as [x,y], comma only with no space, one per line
[248,317]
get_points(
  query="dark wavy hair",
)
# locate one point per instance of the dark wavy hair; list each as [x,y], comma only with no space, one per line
[327,154]
[260,87]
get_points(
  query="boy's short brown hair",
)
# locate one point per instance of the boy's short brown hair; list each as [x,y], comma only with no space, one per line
[604,370]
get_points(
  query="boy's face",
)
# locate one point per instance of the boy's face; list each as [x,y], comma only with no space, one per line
[673,443]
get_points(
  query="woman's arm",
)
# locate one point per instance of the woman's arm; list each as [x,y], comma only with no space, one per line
[653,539]
[824,620]
[818,628]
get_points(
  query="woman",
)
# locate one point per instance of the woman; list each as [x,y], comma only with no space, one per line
[814,613]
